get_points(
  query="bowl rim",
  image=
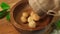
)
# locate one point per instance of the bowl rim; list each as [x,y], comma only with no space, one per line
[12,17]
[11,13]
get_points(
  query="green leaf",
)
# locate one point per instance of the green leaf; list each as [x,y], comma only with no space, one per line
[8,16]
[58,24]
[5,6]
[3,13]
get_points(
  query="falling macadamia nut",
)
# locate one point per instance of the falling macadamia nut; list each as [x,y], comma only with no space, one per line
[23,19]
[25,14]
[35,16]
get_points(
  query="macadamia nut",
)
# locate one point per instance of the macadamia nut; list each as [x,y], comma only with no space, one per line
[31,24]
[30,19]
[32,13]
[35,16]
[23,19]
[25,14]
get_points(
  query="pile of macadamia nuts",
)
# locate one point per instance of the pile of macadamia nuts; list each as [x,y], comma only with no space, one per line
[30,18]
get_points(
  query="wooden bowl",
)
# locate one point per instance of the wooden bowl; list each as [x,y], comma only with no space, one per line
[16,12]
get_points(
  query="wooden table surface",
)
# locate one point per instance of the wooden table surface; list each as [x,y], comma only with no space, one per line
[5,26]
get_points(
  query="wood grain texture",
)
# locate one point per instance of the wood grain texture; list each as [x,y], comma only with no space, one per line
[5,26]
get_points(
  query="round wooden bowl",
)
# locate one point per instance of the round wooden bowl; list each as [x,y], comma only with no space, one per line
[16,12]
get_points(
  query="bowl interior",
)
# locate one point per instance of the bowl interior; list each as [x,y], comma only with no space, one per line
[24,7]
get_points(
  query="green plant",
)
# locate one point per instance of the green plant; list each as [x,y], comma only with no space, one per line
[58,24]
[5,11]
